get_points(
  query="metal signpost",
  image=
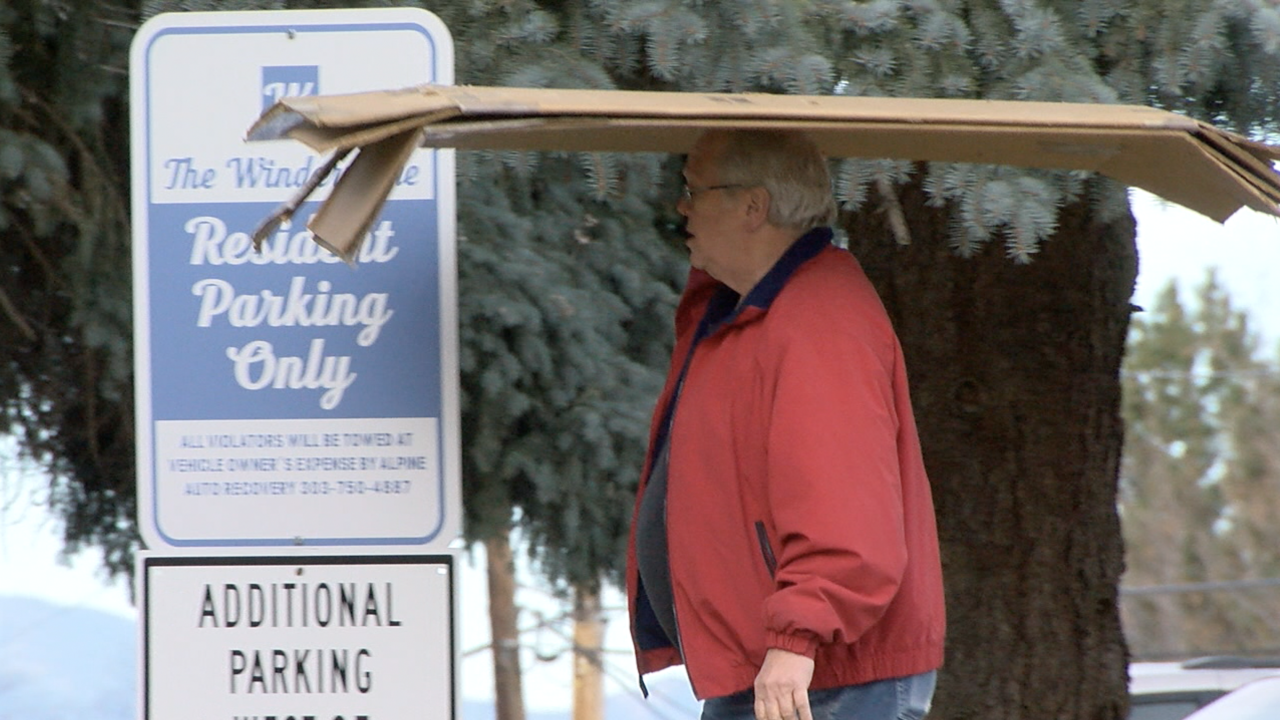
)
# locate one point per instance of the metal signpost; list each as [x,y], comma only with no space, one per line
[316,638]
[297,418]
[284,398]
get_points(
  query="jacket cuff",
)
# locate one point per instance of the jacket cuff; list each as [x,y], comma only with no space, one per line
[800,644]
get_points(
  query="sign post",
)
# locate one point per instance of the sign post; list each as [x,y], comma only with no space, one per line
[297,419]
[283,398]
[313,638]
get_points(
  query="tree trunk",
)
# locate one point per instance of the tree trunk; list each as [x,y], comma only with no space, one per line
[588,668]
[507,692]
[1016,387]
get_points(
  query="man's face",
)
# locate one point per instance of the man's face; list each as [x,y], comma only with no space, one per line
[712,216]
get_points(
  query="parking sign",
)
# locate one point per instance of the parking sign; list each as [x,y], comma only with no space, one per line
[283,397]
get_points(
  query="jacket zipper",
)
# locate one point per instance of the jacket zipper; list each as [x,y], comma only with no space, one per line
[766,550]
[675,612]
[699,335]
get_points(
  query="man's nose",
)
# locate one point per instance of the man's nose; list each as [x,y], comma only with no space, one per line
[683,205]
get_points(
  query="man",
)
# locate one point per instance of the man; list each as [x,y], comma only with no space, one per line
[784,546]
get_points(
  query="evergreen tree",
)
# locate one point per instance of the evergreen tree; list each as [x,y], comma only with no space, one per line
[565,299]
[1015,365]
[65,307]
[1199,477]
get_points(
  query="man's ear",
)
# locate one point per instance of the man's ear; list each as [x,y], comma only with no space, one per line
[758,200]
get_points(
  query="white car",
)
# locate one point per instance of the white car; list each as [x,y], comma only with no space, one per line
[1174,690]
[1257,700]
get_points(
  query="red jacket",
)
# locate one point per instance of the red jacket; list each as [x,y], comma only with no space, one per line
[798,511]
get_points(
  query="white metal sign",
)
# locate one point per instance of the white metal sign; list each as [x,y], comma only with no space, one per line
[284,398]
[317,638]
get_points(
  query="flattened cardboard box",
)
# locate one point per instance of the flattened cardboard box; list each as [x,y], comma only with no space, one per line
[1185,161]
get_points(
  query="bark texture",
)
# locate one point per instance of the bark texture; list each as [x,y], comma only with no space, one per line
[503,615]
[588,660]
[1016,386]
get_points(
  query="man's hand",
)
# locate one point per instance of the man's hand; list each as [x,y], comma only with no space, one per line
[782,687]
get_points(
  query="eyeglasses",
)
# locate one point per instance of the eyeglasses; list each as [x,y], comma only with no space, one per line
[689,193]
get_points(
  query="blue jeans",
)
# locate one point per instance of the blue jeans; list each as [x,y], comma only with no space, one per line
[905,698]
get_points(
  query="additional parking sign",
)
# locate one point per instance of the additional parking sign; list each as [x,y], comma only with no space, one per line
[283,397]
[315,638]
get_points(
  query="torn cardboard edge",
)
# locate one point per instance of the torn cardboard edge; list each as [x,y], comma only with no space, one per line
[1185,161]
[356,109]
[343,221]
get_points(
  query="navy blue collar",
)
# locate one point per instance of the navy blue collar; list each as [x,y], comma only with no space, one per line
[725,305]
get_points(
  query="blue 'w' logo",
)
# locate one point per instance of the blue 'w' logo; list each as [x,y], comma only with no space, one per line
[289,81]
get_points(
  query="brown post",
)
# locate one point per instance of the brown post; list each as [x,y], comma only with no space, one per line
[507,691]
[588,660]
